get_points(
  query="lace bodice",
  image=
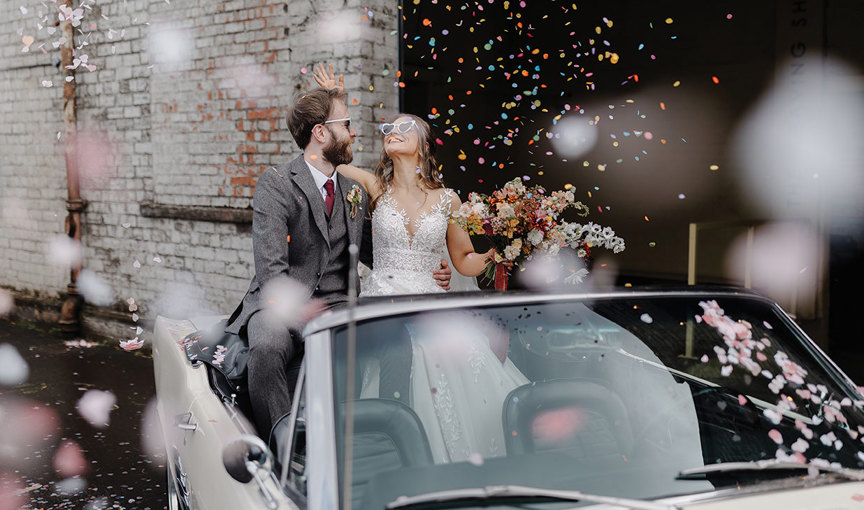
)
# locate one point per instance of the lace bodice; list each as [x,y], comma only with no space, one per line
[403,264]
[394,246]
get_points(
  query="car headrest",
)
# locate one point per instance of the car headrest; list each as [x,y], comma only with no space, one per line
[525,403]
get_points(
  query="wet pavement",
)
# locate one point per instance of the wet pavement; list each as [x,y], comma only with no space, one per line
[40,415]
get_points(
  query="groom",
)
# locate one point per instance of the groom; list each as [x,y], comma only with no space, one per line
[306,216]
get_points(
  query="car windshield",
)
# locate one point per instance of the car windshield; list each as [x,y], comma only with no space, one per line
[612,396]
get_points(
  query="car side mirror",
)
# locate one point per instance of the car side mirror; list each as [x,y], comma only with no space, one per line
[246,457]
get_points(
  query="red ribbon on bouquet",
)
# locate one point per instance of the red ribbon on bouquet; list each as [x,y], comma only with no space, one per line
[501,276]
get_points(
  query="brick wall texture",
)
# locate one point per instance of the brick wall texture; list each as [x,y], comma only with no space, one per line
[185,105]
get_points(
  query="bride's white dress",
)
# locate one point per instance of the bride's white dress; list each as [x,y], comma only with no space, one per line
[458,385]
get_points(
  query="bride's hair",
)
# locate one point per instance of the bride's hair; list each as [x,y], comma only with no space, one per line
[430,173]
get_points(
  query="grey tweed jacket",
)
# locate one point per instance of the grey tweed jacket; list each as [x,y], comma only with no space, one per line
[289,232]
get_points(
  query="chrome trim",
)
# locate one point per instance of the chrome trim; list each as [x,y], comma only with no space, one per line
[184,422]
[432,302]
[292,423]
[322,484]
[767,465]
[744,491]
[492,492]
[818,350]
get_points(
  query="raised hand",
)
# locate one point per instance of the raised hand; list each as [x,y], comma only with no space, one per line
[328,80]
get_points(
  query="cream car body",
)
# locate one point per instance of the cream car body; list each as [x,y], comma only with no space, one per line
[200,427]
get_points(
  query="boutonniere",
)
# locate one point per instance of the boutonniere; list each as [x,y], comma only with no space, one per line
[354,196]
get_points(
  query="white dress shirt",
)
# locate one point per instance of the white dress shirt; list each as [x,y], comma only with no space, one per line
[320,179]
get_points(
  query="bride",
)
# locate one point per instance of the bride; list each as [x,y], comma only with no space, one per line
[460,373]
[411,211]
[458,382]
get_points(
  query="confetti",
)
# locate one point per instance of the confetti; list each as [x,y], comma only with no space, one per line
[13,369]
[95,406]
[775,436]
[69,459]
[134,344]
[93,289]
[7,302]
[84,344]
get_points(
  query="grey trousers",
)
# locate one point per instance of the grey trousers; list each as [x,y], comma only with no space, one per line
[275,355]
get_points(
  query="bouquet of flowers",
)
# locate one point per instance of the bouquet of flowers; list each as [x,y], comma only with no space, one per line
[523,220]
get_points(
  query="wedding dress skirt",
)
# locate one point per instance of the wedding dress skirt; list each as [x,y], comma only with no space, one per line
[458,391]
[458,384]
[458,387]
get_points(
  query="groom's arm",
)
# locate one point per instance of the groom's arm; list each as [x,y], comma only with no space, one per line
[270,235]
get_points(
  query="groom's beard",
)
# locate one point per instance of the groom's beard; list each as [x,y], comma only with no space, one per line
[338,152]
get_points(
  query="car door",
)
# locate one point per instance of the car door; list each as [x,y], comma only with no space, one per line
[197,426]
[172,373]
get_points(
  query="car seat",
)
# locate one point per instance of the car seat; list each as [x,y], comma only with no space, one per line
[387,436]
[579,417]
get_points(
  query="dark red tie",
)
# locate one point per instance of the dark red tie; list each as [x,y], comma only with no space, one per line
[328,201]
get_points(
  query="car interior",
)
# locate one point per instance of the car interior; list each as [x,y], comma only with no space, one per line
[607,362]
[649,405]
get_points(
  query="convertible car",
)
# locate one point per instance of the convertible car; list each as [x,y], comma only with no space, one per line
[629,399]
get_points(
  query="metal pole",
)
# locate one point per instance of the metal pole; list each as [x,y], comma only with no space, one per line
[748,258]
[351,355]
[691,255]
[70,312]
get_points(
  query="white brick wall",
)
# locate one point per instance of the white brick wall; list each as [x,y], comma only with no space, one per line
[195,132]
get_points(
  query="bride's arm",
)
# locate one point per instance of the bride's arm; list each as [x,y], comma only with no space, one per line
[465,259]
[366,179]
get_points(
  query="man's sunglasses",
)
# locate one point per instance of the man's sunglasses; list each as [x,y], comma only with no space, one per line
[402,127]
[346,120]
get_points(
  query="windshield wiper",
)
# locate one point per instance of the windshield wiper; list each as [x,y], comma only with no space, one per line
[767,465]
[496,492]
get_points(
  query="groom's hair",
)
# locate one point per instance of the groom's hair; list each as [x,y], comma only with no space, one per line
[311,108]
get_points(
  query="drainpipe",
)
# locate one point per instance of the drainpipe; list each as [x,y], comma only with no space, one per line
[70,312]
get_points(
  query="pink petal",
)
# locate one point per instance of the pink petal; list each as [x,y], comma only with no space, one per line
[775,436]
[69,459]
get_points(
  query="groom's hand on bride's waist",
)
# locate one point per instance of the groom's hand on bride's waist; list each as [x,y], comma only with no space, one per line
[442,276]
